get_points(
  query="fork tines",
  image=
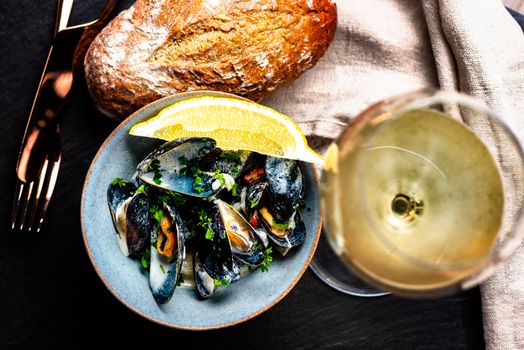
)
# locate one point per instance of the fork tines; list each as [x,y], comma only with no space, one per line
[32,199]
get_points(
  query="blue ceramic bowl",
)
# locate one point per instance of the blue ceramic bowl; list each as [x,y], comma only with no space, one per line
[245,299]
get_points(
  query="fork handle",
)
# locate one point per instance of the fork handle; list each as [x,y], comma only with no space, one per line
[54,87]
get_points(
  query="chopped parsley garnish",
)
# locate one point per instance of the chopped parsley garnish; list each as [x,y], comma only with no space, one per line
[157,178]
[277,224]
[198,185]
[154,166]
[173,197]
[257,246]
[191,168]
[235,170]
[162,268]
[203,219]
[221,282]
[264,267]
[141,189]
[234,189]
[210,233]
[146,257]
[220,177]
[118,181]
[157,212]
[204,222]
[253,203]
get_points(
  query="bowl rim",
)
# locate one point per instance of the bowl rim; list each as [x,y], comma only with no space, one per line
[101,149]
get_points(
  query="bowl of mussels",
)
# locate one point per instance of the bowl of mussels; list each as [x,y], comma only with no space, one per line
[192,236]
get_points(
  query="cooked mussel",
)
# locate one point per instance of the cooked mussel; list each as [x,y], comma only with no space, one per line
[234,243]
[210,271]
[286,186]
[192,166]
[286,234]
[173,166]
[205,284]
[249,192]
[242,238]
[130,213]
[226,233]
[252,196]
[167,254]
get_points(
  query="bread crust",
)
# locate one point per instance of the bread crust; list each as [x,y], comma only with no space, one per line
[245,47]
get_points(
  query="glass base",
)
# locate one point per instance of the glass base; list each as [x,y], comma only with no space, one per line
[332,271]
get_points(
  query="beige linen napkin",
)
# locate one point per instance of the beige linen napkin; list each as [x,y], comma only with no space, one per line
[386,47]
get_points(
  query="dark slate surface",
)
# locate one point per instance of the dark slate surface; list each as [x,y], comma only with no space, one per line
[50,295]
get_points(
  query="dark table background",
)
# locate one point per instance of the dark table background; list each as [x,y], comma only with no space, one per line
[50,294]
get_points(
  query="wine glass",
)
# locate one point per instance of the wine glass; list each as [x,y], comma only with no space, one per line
[422,195]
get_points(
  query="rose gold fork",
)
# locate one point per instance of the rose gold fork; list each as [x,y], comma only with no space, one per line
[40,153]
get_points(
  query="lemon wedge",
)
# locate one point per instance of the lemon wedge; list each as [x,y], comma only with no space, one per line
[233,124]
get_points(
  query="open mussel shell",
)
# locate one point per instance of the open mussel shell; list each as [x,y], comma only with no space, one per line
[118,196]
[169,167]
[247,195]
[143,166]
[290,234]
[210,271]
[164,269]
[193,166]
[242,238]
[130,213]
[239,200]
[286,186]
[285,234]
[254,194]
[205,284]
[235,243]
[219,247]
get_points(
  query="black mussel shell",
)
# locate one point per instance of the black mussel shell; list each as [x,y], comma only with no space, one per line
[138,226]
[286,186]
[205,284]
[163,280]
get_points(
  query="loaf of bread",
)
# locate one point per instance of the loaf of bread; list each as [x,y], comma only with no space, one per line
[246,47]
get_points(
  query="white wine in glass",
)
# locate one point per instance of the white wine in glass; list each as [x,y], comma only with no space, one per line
[413,199]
